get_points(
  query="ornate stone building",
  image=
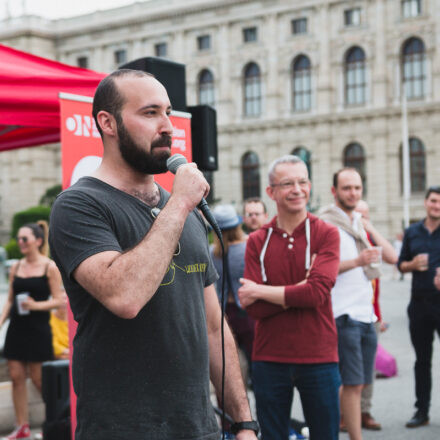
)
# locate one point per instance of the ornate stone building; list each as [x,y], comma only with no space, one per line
[322,78]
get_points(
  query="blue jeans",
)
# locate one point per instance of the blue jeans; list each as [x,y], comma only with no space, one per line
[318,386]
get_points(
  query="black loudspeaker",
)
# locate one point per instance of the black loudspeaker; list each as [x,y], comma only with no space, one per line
[169,73]
[204,137]
[55,388]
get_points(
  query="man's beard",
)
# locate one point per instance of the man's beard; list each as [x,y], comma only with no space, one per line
[146,162]
[345,205]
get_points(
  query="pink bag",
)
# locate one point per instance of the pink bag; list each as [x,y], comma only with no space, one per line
[386,365]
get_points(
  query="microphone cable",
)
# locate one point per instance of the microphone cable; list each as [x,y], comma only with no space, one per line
[222,327]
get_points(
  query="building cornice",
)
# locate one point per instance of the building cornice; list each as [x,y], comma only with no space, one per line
[395,112]
[139,13]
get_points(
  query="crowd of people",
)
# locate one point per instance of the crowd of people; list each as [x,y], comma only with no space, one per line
[300,295]
[313,289]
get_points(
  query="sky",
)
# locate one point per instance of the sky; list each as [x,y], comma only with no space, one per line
[57,8]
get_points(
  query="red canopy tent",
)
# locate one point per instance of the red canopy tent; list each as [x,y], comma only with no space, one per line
[29,88]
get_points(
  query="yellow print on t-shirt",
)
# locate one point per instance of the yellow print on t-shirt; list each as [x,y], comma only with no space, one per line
[170,274]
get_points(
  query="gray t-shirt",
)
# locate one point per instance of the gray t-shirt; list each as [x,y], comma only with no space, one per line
[147,377]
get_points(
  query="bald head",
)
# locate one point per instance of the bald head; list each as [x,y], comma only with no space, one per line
[108,96]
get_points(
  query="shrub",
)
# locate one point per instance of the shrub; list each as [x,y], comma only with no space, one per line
[12,249]
[31,215]
[50,195]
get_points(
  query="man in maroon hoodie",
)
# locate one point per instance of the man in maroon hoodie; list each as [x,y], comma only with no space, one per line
[291,265]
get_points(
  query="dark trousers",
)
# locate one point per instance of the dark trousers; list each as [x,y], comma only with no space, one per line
[318,386]
[424,320]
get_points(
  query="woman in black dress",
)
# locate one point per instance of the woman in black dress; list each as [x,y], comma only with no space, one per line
[28,339]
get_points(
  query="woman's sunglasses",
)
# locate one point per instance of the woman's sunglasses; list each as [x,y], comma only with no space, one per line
[23,239]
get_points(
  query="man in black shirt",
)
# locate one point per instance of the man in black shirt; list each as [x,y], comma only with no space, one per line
[135,264]
[420,255]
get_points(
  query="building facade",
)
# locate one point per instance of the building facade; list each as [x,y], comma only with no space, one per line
[320,78]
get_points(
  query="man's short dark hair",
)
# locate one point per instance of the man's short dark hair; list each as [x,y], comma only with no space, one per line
[336,175]
[254,200]
[109,98]
[432,189]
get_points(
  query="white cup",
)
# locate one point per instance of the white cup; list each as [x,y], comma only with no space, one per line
[378,260]
[425,266]
[21,298]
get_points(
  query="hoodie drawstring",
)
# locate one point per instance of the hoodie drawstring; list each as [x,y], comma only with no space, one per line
[266,243]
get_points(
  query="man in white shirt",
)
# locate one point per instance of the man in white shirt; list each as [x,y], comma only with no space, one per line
[352,297]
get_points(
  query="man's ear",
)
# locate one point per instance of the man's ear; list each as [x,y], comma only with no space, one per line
[107,122]
[269,191]
[333,191]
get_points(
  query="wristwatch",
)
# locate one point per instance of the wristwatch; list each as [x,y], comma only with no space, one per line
[239,426]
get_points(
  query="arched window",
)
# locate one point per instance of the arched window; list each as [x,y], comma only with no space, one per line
[417,165]
[252,90]
[306,156]
[355,77]
[250,171]
[206,88]
[414,68]
[301,84]
[354,157]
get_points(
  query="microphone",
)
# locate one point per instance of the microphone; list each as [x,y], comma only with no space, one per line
[173,163]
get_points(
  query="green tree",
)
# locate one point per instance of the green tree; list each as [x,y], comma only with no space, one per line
[50,195]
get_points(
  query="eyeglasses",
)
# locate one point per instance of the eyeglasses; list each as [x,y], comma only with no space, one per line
[23,239]
[290,185]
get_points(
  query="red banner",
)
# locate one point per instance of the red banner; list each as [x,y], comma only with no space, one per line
[81,153]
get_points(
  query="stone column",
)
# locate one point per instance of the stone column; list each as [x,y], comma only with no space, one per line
[136,50]
[378,60]
[223,81]
[178,50]
[324,92]
[270,80]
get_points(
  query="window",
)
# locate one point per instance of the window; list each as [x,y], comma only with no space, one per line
[355,77]
[354,157]
[250,167]
[160,49]
[204,42]
[411,8]
[352,17]
[250,34]
[301,81]
[120,57]
[414,68]
[306,156]
[82,62]
[417,165]
[299,26]
[252,90]
[206,88]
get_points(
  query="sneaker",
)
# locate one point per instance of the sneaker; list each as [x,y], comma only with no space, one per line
[22,431]
[292,434]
